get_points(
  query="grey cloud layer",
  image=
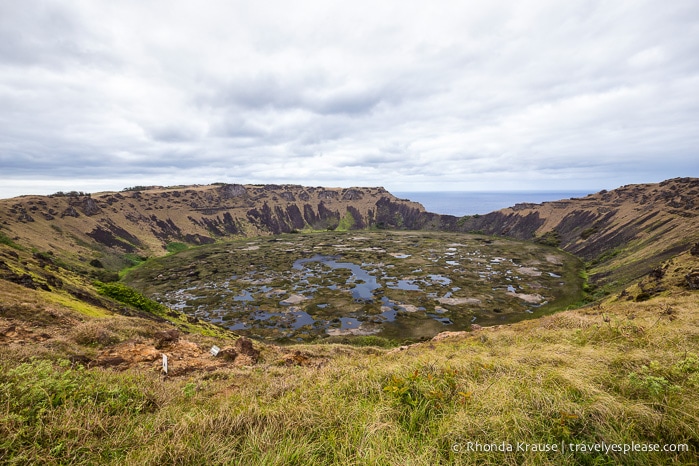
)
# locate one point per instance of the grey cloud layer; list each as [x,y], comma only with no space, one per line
[407,95]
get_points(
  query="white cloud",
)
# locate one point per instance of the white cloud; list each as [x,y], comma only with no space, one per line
[402,94]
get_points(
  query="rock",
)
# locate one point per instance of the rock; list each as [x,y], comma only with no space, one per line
[110,361]
[89,207]
[27,281]
[299,358]
[352,195]
[445,335]
[408,308]
[363,329]
[293,299]
[79,359]
[657,273]
[457,301]
[70,212]
[228,354]
[245,347]
[693,280]
[230,191]
[694,250]
[531,271]
[528,298]
[287,196]
[166,338]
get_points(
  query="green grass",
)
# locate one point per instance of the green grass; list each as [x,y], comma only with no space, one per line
[175,247]
[363,340]
[70,302]
[576,378]
[4,239]
[38,394]
[620,372]
[133,298]
[550,238]
[346,222]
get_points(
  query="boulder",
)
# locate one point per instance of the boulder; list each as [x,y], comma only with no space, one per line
[244,346]
[230,191]
[166,338]
[89,207]
[693,280]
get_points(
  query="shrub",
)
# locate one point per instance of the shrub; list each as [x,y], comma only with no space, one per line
[550,238]
[97,263]
[4,239]
[346,223]
[174,247]
[93,334]
[127,295]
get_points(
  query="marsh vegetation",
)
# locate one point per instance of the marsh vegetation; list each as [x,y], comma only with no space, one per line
[396,285]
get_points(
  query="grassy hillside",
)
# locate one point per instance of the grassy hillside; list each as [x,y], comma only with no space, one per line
[113,230]
[620,372]
[82,381]
[622,234]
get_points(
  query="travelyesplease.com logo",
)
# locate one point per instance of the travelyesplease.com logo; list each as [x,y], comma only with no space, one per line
[606,448]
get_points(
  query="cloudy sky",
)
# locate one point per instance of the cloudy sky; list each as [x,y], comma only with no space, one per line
[409,95]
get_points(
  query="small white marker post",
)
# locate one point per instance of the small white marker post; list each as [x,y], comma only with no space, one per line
[214,350]
[165,364]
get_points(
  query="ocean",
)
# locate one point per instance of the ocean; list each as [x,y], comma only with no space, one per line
[460,203]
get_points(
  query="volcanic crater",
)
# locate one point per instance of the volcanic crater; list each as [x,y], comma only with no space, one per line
[397,285]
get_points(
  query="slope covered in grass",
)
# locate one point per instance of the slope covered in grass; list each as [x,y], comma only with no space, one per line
[618,373]
[81,377]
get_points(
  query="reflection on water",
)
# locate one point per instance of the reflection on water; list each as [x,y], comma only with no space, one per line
[244,295]
[326,295]
[291,319]
[444,320]
[364,282]
[407,285]
[349,322]
[363,286]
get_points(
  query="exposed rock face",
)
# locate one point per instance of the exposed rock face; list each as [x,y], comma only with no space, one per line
[114,236]
[231,191]
[352,195]
[648,223]
[658,219]
[90,207]
[143,220]
[393,213]
[25,217]
[693,280]
[287,196]
[70,212]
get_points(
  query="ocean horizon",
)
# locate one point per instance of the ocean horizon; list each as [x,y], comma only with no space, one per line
[460,203]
